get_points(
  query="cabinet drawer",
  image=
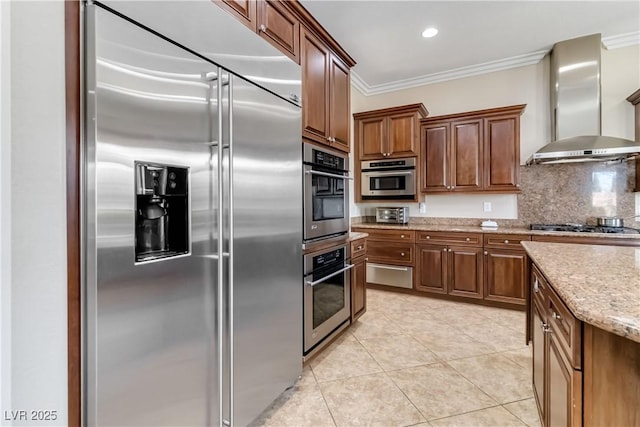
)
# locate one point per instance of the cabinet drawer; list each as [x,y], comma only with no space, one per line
[566,328]
[505,241]
[358,248]
[389,235]
[440,238]
[390,252]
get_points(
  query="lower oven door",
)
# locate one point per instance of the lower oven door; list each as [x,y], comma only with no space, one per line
[327,304]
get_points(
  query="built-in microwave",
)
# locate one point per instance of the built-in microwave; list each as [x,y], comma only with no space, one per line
[388,179]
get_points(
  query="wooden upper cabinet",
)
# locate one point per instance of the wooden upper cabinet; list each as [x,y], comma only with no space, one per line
[244,10]
[434,153]
[634,99]
[339,104]
[315,59]
[326,97]
[466,155]
[473,151]
[280,27]
[395,132]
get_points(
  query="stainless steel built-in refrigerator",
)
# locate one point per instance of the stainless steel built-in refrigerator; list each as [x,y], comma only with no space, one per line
[193,225]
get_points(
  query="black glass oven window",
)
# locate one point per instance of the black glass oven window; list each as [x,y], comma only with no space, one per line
[328,197]
[328,298]
[388,182]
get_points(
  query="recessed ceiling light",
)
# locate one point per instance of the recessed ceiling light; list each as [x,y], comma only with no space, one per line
[429,32]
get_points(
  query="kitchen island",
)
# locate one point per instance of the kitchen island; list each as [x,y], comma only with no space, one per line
[585,324]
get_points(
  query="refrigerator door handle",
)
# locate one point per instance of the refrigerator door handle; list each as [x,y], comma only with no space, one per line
[230,285]
[220,290]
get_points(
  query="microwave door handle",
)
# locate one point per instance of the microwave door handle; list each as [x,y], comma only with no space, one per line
[335,273]
[392,172]
[330,175]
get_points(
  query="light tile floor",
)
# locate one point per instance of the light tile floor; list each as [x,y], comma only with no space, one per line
[416,361]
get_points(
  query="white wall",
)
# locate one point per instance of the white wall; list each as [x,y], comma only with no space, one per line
[38,213]
[525,85]
[5,210]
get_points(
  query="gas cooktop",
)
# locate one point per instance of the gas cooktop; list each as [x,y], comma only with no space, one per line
[582,228]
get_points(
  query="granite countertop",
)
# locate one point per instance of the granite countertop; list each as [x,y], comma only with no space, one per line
[499,230]
[355,235]
[599,284]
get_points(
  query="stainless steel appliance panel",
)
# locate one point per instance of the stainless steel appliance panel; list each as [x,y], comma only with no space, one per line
[266,254]
[151,352]
[390,275]
[390,179]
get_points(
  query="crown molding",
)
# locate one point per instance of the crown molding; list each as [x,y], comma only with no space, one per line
[621,40]
[457,73]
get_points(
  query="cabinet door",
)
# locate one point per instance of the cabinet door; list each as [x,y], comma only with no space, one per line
[505,276]
[465,275]
[315,88]
[501,153]
[402,135]
[243,10]
[279,27]
[339,110]
[358,289]
[371,137]
[435,157]
[564,390]
[431,274]
[466,155]
[538,338]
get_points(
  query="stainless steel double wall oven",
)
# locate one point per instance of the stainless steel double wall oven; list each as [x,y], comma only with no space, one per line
[326,282]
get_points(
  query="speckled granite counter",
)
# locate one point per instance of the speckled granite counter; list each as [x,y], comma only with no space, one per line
[500,230]
[599,284]
[355,235]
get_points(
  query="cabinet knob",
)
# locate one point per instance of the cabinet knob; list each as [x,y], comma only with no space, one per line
[428,237]
[401,253]
[486,253]
[536,287]
[333,139]
[468,239]
[506,242]
[517,185]
[444,250]
[556,316]
[328,138]
[360,247]
[448,250]
[366,259]
[262,28]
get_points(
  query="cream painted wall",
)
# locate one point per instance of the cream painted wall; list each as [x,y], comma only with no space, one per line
[38,212]
[525,85]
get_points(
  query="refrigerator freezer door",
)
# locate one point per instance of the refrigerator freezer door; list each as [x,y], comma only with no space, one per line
[266,252]
[151,352]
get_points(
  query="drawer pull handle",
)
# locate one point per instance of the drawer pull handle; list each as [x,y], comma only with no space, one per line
[401,253]
[428,237]
[486,253]
[448,250]
[536,287]
[360,247]
[444,250]
[556,316]
[263,28]
[402,236]
[506,242]
[468,239]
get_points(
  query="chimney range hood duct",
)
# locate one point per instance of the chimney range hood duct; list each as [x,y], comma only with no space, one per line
[576,108]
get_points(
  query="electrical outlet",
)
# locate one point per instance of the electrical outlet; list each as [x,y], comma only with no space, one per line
[487,206]
[423,207]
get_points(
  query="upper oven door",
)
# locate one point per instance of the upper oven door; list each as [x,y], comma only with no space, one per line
[326,202]
[389,183]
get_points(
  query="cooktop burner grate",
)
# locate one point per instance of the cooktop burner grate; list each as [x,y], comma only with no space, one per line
[582,228]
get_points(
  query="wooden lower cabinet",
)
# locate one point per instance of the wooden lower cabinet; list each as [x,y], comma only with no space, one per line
[449,270]
[506,274]
[564,387]
[539,342]
[358,288]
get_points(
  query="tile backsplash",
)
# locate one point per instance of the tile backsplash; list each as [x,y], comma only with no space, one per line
[577,192]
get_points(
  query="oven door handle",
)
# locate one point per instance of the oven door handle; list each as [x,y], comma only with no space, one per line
[411,172]
[335,273]
[330,175]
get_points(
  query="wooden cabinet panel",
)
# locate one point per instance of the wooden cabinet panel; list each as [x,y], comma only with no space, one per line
[465,276]
[466,155]
[502,152]
[339,108]
[371,135]
[564,390]
[431,268]
[505,276]
[539,343]
[402,139]
[449,238]
[565,328]
[358,248]
[279,27]
[505,241]
[434,152]
[315,88]
[390,253]
[390,235]
[358,288]
[243,10]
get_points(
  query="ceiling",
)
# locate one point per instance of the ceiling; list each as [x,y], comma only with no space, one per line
[384,37]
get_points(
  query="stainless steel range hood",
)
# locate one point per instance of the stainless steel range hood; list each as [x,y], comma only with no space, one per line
[576,108]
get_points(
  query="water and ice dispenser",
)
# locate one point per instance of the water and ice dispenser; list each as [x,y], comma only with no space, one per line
[162,215]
